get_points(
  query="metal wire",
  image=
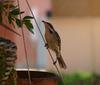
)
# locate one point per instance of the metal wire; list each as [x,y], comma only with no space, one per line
[43,39]
[26,55]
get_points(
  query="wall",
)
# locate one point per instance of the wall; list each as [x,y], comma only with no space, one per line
[80,43]
[30,47]
[80,40]
[76,7]
[30,39]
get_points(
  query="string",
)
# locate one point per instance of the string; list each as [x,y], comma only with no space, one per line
[26,55]
[44,39]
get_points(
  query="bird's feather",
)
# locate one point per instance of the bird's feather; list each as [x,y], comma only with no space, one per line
[54,42]
[55,34]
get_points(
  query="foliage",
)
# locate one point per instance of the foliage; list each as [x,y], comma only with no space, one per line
[11,12]
[81,78]
[2,65]
[7,62]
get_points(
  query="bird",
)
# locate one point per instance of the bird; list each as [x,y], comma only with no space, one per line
[53,42]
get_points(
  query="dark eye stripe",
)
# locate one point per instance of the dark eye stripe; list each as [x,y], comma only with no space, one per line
[50,31]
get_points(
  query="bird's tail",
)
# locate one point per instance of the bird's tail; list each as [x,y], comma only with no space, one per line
[61,62]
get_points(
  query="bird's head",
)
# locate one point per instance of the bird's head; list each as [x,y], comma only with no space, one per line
[45,22]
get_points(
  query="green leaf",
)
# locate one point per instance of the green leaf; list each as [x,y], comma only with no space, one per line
[10,19]
[13,24]
[1,8]
[28,17]
[0,18]
[19,22]
[29,25]
[16,12]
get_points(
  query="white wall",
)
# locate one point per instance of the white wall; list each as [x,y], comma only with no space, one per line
[80,43]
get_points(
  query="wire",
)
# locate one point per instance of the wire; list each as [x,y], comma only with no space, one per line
[43,39]
[26,55]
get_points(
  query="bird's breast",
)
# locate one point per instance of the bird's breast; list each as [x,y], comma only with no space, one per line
[50,40]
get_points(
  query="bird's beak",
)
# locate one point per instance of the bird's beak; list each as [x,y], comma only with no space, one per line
[43,21]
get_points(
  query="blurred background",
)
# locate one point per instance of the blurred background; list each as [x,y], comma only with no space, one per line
[77,22]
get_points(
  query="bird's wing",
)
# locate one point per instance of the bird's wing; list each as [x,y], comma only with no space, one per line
[54,33]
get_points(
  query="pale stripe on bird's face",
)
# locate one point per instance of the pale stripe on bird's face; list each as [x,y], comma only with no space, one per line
[52,43]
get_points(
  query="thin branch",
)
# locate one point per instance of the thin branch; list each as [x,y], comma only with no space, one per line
[8,28]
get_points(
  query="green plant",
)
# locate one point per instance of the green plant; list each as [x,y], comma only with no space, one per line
[11,13]
[80,78]
[8,58]
[10,16]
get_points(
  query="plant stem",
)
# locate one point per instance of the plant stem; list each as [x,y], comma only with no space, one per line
[8,28]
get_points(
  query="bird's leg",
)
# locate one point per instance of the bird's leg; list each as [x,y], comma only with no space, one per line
[46,45]
[55,61]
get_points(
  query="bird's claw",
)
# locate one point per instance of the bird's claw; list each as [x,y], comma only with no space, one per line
[55,62]
[46,45]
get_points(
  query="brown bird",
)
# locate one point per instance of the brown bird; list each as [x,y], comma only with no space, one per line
[54,43]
